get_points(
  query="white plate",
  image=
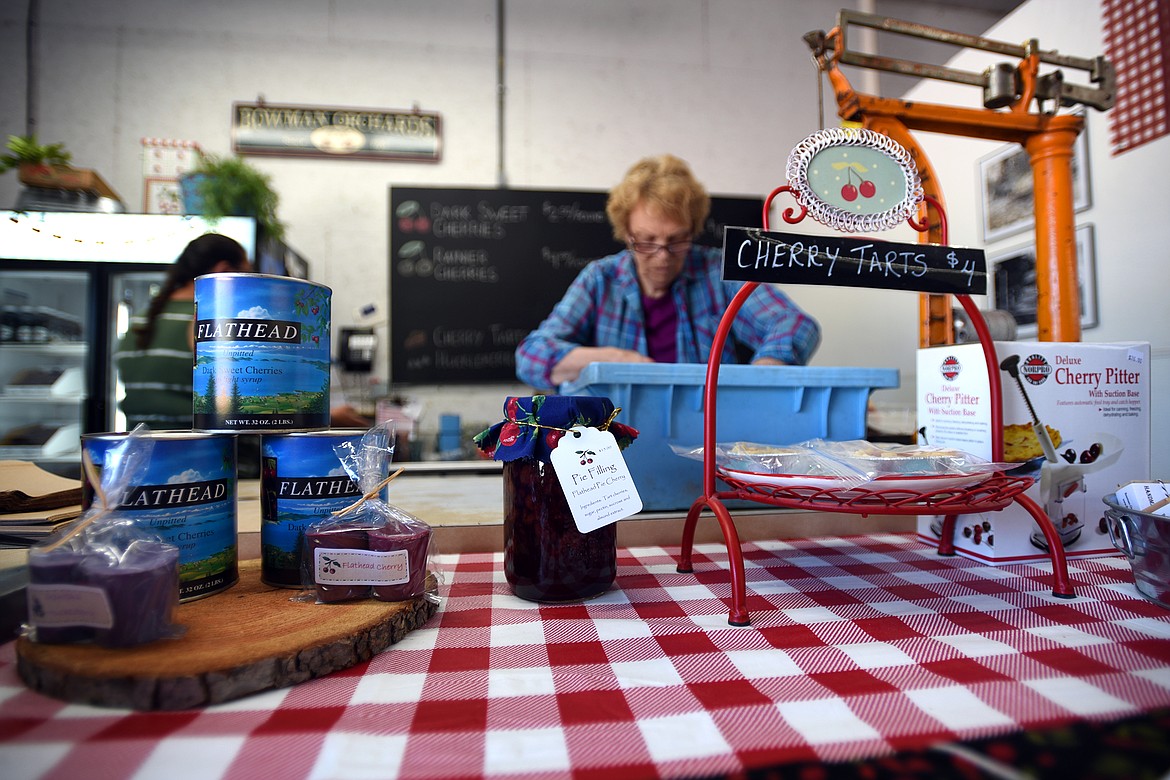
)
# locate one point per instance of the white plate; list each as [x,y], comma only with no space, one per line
[914,484]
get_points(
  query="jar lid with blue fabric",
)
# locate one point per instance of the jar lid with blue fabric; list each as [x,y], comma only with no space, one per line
[546,557]
[533,426]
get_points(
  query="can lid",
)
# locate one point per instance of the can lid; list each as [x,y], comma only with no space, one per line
[160,435]
[533,425]
[225,276]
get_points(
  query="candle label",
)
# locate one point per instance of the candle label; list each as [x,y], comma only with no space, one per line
[360,567]
[56,606]
[595,478]
[261,354]
[301,482]
[187,498]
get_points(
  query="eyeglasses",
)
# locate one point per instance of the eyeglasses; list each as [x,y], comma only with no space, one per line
[648,249]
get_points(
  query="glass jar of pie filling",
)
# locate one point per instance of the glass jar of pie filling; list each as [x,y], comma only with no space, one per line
[546,558]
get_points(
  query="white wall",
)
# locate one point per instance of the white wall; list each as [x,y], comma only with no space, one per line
[590,87]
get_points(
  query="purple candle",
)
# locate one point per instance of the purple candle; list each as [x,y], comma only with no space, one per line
[410,566]
[142,587]
[339,538]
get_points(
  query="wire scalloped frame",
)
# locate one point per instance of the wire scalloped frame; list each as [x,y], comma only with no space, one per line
[837,218]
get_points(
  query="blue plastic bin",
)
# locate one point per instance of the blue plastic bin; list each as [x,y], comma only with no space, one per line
[767,404]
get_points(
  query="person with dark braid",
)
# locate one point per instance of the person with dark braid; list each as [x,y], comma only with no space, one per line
[154,357]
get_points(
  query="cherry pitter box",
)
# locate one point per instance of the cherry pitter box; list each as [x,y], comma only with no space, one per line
[1076,418]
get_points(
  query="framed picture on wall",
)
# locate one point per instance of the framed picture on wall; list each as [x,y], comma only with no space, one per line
[1013,274]
[1005,180]
[161,196]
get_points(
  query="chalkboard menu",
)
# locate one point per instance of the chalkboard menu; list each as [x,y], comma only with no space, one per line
[473,271]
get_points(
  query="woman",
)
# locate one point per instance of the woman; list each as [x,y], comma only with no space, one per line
[660,299]
[154,357]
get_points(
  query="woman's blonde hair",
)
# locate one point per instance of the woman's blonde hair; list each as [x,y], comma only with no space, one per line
[664,183]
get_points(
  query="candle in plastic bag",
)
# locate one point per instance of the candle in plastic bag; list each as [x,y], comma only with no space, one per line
[337,539]
[412,538]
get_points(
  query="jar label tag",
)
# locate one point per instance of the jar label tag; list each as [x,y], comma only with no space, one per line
[360,567]
[595,478]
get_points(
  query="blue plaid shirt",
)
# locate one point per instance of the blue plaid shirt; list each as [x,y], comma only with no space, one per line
[603,307]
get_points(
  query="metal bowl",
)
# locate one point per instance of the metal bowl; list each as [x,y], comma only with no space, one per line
[1144,538]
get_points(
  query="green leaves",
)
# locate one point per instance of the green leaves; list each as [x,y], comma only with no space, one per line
[314,306]
[25,149]
[232,187]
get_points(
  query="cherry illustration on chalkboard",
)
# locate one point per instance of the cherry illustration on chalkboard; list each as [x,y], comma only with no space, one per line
[411,218]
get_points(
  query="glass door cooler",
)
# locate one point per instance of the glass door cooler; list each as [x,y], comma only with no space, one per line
[68,285]
[43,354]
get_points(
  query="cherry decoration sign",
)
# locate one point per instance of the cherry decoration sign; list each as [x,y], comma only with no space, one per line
[854,180]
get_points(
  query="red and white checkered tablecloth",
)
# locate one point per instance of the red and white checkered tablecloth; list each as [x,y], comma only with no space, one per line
[859,646]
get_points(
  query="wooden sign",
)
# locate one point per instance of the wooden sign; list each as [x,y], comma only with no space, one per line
[336,133]
[755,255]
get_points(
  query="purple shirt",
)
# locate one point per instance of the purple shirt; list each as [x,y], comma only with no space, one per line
[661,328]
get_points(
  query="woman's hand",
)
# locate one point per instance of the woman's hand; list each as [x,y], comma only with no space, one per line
[575,361]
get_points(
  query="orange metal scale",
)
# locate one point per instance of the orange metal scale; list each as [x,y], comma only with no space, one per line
[1048,140]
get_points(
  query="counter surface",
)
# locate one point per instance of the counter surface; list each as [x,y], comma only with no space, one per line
[467,513]
[448,500]
[859,646]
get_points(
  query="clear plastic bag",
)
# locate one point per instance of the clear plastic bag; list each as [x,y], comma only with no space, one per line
[106,580]
[753,459]
[370,549]
[878,460]
[842,464]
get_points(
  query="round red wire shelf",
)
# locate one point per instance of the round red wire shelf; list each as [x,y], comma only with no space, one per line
[990,495]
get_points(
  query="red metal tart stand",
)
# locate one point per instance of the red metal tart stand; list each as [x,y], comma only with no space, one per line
[991,495]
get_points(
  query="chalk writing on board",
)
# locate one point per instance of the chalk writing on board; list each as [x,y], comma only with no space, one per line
[754,255]
[563,258]
[474,270]
[573,212]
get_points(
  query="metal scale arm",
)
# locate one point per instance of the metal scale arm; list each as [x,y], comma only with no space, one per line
[1047,137]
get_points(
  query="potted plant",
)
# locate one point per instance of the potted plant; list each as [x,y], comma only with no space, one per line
[47,166]
[23,150]
[230,187]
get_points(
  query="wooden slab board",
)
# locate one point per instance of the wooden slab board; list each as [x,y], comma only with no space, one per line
[252,637]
